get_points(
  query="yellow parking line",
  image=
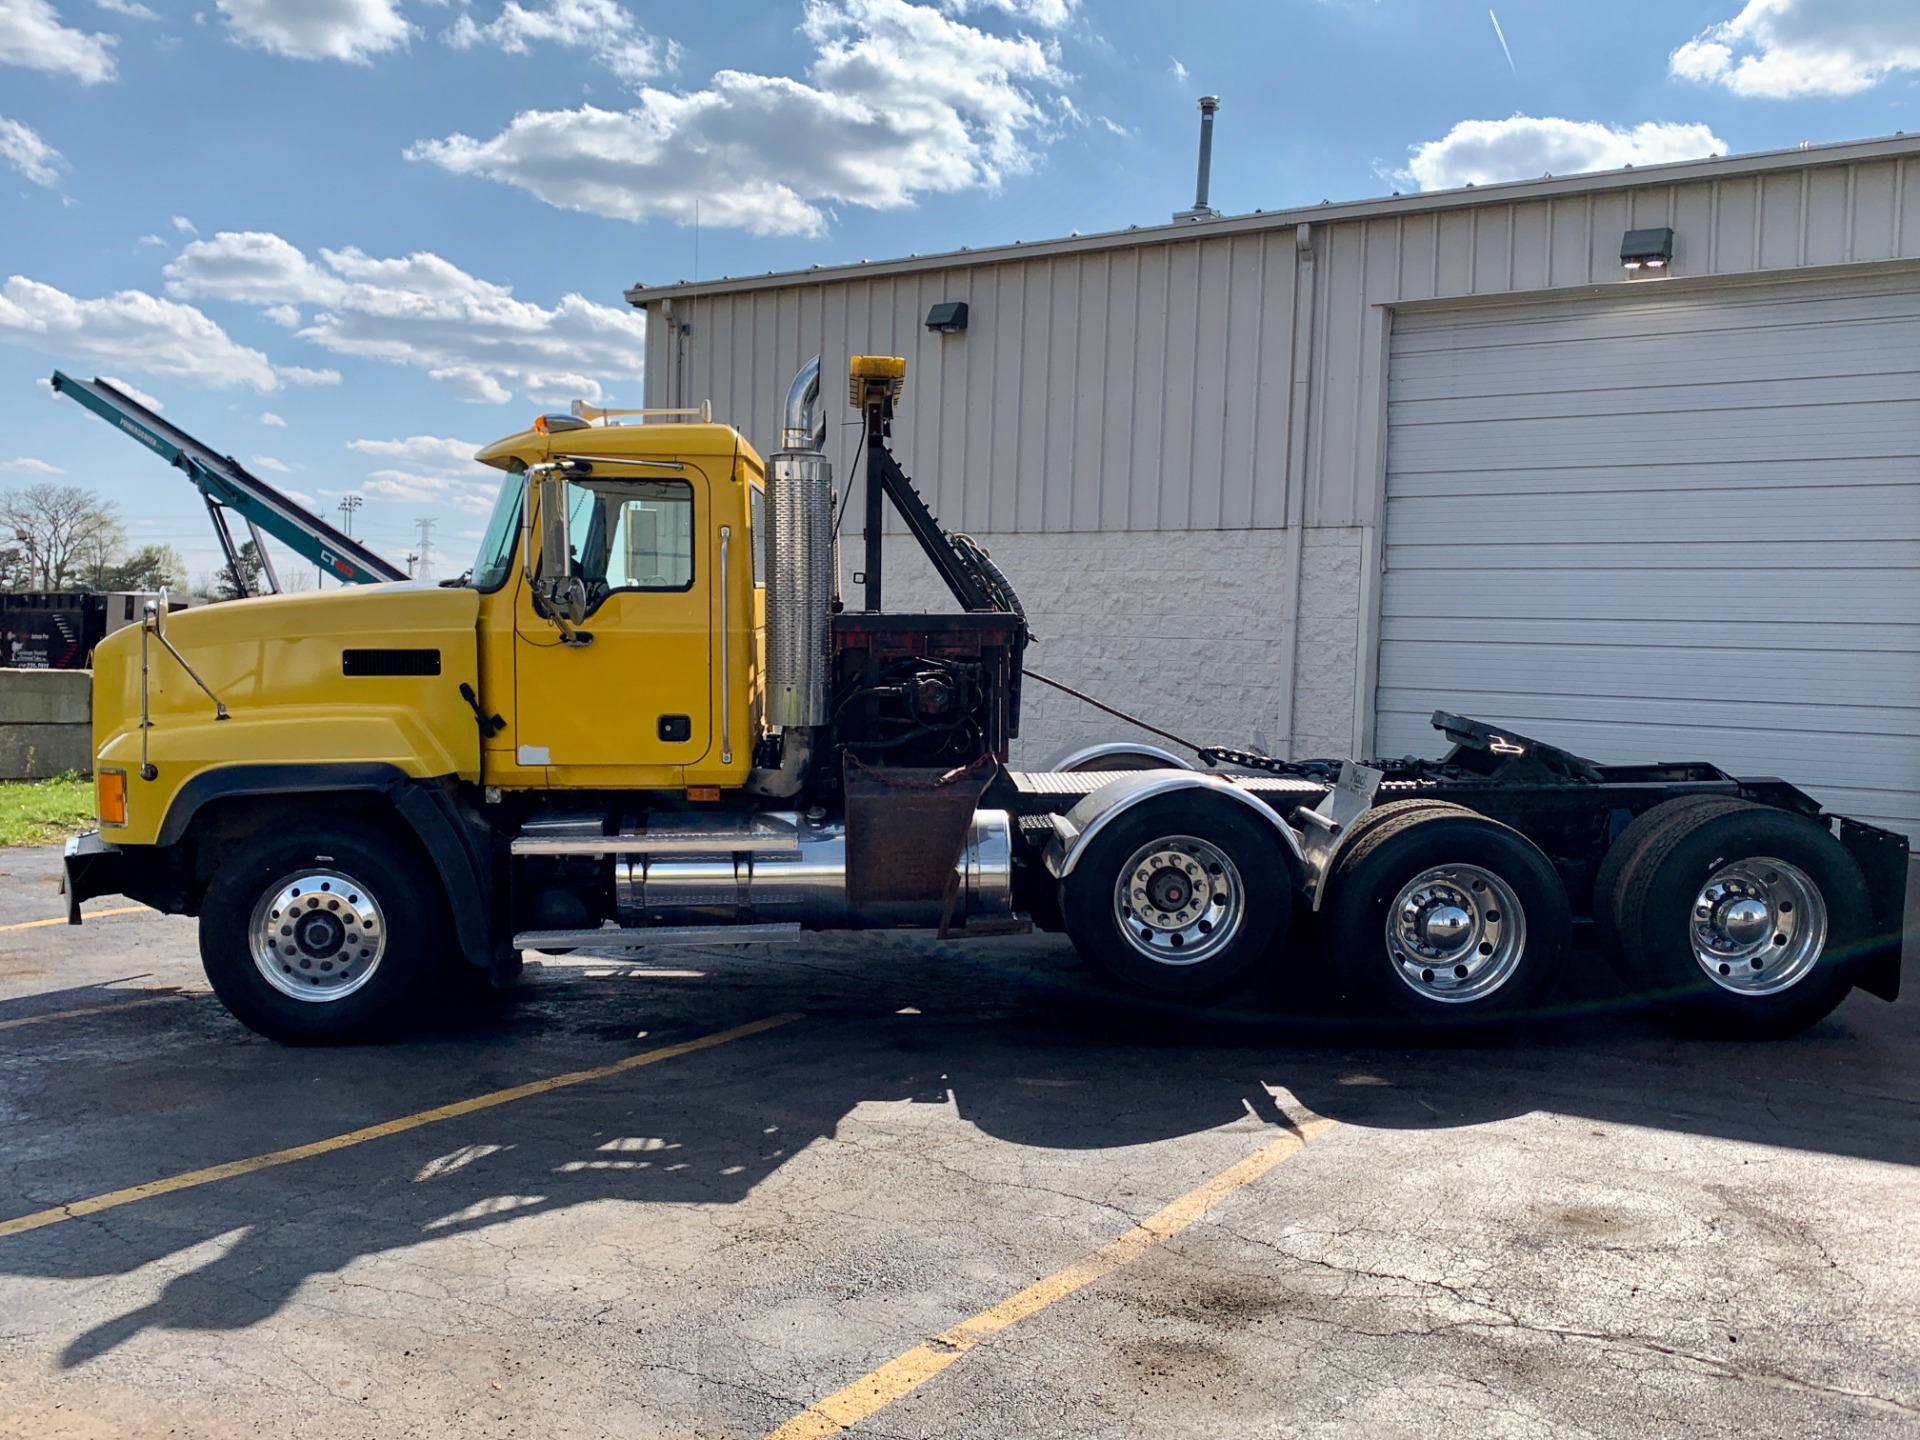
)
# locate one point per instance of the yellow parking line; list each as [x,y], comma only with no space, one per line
[880,1388]
[87,1010]
[89,914]
[73,1210]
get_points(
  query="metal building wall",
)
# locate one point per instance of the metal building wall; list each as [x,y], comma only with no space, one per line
[1122,390]
[1143,383]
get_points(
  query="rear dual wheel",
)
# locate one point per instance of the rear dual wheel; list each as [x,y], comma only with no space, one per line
[1437,917]
[1734,919]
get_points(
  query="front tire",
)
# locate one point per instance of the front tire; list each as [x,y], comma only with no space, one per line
[324,938]
[1182,898]
[1437,917]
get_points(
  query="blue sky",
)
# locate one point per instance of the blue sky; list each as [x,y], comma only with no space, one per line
[350,240]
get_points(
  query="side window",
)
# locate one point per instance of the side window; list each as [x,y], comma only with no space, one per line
[634,534]
[757,524]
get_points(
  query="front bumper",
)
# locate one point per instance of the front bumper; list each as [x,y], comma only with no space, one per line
[93,866]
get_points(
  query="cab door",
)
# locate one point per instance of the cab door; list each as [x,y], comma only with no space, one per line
[638,693]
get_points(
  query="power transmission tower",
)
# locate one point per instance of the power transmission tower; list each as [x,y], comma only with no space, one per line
[425,570]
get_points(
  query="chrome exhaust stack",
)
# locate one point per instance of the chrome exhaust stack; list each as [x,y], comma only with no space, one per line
[800,584]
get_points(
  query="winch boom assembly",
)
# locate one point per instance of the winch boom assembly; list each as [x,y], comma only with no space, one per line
[645,717]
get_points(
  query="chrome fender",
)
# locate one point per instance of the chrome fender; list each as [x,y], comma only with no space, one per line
[1082,757]
[1079,827]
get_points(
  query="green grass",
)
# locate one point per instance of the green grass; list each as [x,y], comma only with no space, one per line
[40,812]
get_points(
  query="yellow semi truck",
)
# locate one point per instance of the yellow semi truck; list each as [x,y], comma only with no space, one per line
[646,717]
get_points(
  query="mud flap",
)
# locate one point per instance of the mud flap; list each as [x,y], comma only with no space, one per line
[1882,858]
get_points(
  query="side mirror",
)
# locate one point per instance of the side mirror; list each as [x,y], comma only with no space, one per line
[563,593]
[556,555]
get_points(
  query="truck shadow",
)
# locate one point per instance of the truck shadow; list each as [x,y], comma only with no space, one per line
[1016,1041]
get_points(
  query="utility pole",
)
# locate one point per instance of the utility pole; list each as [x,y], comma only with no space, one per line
[426,524]
[347,507]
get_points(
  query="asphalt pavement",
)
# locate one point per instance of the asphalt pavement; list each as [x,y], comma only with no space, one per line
[931,1189]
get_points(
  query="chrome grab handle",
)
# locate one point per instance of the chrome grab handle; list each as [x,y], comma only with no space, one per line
[726,677]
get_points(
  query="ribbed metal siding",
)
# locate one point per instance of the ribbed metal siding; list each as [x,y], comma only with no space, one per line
[1132,390]
[1666,526]
[1144,386]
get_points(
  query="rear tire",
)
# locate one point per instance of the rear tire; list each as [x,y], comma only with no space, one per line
[1437,917]
[1624,851]
[1183,898]
[1736,920]
[325,938]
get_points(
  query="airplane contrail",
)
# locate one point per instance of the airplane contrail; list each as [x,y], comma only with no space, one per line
[1502,36]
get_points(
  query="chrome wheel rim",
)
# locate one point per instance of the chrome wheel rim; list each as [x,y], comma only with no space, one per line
[1759,926]
[317,936]
[1179,900]
[1455,934]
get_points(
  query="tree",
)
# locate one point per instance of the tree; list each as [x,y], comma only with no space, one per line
[224,587]
[67,531]
[151,567]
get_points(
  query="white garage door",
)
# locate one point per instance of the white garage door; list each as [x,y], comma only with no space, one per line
[1666,528]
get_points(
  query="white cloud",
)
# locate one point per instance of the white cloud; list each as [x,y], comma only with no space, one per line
[268,463]
[134,392]
[1051,14]
[1778,49]
[23,149]
[349,30]
[437,471]
[32,36]
[301,375]
[253,268]
[132,9]
[420,450]
[469,334]
[269,418]
[151,240]
[130,328]
[1484,152]
[27,465]
[287,316]
[185,226]
[602,26]
[900,100]
[1178,71]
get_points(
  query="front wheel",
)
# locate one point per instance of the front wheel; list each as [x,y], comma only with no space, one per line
[323,938]
[1183,898]
[1440,918]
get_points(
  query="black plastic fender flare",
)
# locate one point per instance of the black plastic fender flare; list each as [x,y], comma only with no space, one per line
[458,857]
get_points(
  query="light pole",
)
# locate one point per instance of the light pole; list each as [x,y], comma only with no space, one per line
[347,507]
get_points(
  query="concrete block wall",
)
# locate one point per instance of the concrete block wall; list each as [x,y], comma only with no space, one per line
[1332,573]
[1183,628]
[46,723]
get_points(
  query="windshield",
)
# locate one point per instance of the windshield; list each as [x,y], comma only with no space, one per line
[495,561]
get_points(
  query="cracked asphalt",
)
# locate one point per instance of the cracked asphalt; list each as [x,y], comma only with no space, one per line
[1592,1229]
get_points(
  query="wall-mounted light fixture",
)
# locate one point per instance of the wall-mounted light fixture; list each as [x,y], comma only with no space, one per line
[1647,250]
[948,316]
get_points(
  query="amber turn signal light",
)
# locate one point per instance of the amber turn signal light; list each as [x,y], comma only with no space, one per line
[112,796]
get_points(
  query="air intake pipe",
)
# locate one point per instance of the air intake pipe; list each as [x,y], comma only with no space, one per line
[800,585]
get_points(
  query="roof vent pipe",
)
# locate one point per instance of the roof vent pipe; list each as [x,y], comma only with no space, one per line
[1201,209]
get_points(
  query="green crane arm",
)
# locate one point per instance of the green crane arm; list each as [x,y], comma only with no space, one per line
[227,485]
